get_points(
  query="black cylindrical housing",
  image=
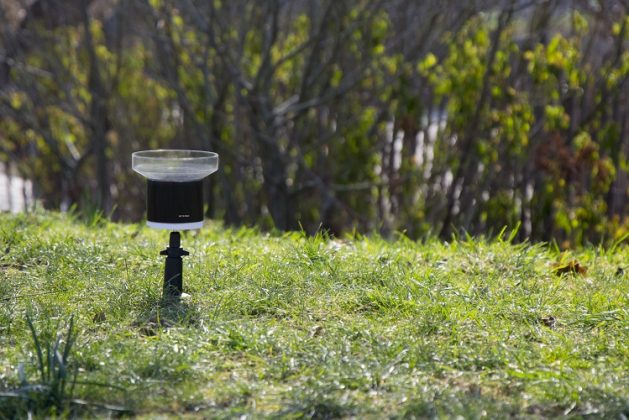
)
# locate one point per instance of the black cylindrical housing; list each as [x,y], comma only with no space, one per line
[174,202]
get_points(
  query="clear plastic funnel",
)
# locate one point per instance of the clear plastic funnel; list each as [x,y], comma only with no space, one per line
[174,165]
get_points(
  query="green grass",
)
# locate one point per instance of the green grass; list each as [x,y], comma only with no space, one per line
[289,326]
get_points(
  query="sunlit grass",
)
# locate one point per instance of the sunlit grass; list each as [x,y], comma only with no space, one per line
[284,325]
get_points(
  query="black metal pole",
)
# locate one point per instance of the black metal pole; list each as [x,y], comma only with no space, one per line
[173,271]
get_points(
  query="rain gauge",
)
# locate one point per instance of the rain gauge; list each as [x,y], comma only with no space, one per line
[174,200]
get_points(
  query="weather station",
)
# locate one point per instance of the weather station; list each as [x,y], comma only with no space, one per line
[174,201]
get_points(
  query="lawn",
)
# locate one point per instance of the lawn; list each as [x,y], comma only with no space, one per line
[284,325]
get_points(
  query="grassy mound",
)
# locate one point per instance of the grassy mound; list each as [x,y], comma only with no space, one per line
[284,325]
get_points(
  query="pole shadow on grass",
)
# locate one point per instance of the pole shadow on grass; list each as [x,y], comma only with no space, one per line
[166,312]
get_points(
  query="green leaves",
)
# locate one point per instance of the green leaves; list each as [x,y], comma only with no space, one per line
[374,123]
[427,63]
[52,392]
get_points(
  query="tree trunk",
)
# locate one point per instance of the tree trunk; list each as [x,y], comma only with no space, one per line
[98,119]
[277,195]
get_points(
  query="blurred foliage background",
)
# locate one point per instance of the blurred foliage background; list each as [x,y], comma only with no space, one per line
[426,117]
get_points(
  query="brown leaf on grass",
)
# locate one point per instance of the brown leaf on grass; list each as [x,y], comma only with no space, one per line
[316,331]
[570,267]
[549,321]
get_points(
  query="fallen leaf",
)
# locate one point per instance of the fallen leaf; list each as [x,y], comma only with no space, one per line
[316,330]
[570,267]
[550,321]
